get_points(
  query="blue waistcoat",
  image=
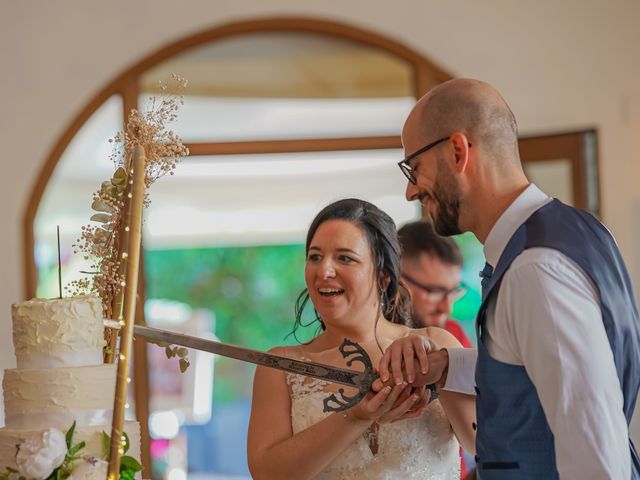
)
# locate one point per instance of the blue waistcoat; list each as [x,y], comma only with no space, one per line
[514,440]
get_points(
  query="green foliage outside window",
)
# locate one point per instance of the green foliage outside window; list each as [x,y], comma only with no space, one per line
[252,292]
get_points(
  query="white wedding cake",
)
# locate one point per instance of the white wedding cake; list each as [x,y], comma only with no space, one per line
[60,379]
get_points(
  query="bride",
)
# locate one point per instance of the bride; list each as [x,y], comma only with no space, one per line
[352,278]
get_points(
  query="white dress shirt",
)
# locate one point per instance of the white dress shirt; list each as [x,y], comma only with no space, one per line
[547,317]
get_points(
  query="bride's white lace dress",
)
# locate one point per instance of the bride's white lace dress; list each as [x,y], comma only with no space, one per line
[418,448]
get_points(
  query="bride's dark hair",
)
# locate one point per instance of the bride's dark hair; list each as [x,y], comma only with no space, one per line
[382,237]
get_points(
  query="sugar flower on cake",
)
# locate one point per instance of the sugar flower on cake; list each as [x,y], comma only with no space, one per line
[40,455]
[90,468]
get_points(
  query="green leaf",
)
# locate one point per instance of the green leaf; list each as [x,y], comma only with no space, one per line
[127,474]
[184,364]
[76,448]
[60,474]
[129,463]
[170,352]
[69,436]
[106,445]
[101,217]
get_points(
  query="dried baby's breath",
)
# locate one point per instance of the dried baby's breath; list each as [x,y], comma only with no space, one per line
[100,243]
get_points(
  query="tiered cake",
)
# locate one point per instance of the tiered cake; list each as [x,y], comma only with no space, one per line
[61,377]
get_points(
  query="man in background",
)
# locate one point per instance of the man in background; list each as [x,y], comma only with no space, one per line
[431,267]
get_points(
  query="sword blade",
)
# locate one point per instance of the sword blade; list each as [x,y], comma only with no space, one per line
[344,376]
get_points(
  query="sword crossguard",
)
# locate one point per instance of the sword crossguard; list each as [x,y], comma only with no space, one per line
[353,352]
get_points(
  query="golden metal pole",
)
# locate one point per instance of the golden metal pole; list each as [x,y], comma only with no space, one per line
[126,336]
[111,336]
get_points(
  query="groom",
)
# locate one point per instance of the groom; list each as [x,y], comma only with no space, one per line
[557,368]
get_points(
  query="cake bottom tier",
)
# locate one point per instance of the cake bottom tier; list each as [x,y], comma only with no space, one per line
[11,437]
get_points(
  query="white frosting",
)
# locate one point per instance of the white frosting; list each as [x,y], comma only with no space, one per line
[61,377]
[58,332]
[9,438]
[55,397]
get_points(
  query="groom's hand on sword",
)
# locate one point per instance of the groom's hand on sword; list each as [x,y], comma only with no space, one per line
[414,359]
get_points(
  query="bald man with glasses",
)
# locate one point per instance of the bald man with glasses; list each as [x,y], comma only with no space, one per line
[556,373]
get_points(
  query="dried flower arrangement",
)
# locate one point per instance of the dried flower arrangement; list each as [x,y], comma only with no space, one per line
[164,149]
[103,243]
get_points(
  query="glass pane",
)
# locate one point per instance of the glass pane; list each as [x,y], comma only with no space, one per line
[267,199]
[67,199]
[224,242]
[287,85]
[205,119]
[554,177]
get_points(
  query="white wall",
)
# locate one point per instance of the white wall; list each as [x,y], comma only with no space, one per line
[561,65]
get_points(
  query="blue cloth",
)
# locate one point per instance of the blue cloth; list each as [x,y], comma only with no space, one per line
[485,275]
[514,440]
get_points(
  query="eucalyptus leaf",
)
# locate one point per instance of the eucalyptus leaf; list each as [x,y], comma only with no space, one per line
[119,177]
[101,217]
[108,189]
[100,206]
[184,364]
[182,352]
[106,445]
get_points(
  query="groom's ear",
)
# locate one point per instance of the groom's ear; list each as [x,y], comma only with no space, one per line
[460,145]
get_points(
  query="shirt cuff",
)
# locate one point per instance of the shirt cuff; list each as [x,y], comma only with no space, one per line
[462,370]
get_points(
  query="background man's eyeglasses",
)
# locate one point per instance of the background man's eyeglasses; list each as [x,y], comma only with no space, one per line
[436,294]
[404,164]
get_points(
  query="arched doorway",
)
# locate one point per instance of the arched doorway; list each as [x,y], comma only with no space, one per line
[283,112]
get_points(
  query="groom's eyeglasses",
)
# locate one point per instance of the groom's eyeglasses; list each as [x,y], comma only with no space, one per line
[404,163]
[436,294]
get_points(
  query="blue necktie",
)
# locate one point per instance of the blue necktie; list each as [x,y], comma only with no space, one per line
[485,274]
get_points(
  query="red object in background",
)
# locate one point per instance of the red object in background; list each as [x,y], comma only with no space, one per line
[456,330]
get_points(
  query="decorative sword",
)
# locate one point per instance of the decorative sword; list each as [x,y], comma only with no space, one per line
[351,352]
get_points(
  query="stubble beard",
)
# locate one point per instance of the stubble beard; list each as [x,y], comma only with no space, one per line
[446,193]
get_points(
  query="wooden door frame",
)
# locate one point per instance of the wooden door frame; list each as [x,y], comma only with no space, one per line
[581,149]
[425,75]
[126,85]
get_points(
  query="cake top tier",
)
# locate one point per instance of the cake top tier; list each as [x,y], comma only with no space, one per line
[56,333]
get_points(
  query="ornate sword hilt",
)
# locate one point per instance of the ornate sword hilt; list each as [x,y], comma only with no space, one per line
[353,352]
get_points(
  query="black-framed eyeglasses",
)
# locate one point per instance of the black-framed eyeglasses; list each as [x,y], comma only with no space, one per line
[435,294]
[404,164]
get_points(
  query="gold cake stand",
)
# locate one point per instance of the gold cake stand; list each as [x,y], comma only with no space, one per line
[131,235]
